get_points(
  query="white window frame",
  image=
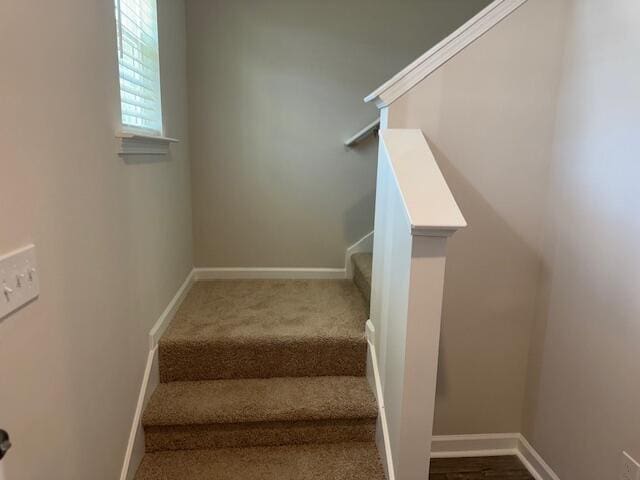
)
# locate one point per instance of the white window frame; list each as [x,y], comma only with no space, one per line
[138,139]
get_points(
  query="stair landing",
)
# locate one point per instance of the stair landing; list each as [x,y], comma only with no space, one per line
[266,328]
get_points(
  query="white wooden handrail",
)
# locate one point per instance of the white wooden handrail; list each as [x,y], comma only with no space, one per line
[415,214]
[366,132]
[443,51]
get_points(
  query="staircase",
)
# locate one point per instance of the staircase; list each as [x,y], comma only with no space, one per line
[264,379]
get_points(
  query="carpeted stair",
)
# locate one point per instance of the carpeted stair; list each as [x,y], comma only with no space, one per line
[259,412]
[337,461]
[263,379]
[266,328]
[362,267]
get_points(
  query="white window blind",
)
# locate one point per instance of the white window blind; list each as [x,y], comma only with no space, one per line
[139,64]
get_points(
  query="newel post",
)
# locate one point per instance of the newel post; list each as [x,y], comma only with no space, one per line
[424,313]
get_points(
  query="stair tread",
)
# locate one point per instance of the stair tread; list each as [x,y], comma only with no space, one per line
[229,329]
[260,400]
[268,310]
[342,461]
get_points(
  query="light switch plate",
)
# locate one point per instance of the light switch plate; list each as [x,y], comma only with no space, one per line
[19,283]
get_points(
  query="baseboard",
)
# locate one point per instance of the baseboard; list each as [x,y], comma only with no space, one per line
[531,459]
[165,318]
[135,446]
[382,430]
[365,244]
[150,380]
[486,445]
[270,273]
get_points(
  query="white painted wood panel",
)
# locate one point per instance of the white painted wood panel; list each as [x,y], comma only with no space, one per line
[415,214]
[430,206]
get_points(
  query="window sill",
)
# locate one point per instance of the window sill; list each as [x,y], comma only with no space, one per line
[133,143]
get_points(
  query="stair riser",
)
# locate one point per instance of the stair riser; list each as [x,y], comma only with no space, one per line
[337,461]
[184,362]
[198,437]
[362,283]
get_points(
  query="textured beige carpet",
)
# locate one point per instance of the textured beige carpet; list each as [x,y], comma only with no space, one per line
[338,461]
[266,328]
[260,400]
[274,369]
[277,411]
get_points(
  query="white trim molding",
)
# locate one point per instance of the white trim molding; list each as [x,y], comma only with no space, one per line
[135,446]
[442,52]
[133,143]
[150,380]
[534,462]
[363,134]
[487,445]
[165,318]
[364,245]
[382,429]
[269,273]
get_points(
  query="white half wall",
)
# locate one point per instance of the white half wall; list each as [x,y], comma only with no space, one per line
[535,128]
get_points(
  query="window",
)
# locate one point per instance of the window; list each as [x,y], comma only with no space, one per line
[139,65]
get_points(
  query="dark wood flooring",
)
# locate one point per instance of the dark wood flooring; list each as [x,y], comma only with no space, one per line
[481,468]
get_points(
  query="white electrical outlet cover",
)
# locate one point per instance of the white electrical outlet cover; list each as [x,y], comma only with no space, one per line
[630,469]
[19,283]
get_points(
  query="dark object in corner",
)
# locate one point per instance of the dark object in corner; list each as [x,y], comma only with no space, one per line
[5,444]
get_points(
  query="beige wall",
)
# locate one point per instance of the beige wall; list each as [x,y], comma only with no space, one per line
[113,239]
[275,87]
[535,129]
[487,117]
[583,396]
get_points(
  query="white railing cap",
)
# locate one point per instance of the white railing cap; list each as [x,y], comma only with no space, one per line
[430,206]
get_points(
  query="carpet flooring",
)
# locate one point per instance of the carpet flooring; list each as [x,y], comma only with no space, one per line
[266,328]
[259,412]
[263,379]
[350,461]
[260,400]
